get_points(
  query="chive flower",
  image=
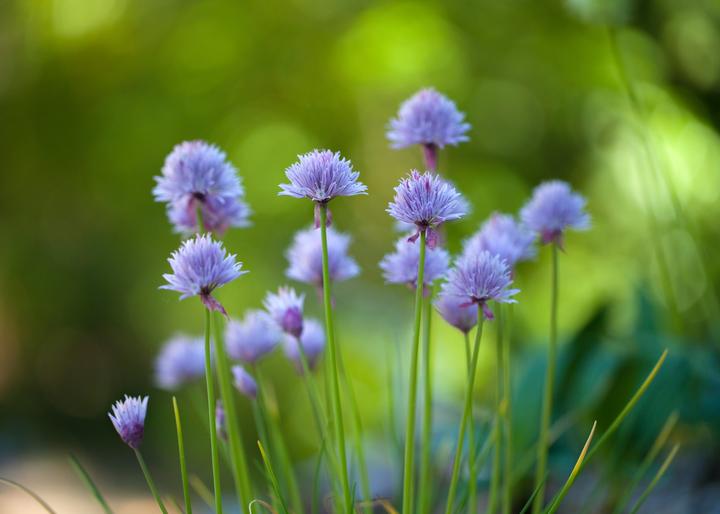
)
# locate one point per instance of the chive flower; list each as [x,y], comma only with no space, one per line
[401,266]
[479,278]
[253,337]
[244,382]
[200,266]
[286,308]
[554,208]
[457,312]
[305,257]
[180,360]
[312,341]
[426,201]
[503,236]
[128,418]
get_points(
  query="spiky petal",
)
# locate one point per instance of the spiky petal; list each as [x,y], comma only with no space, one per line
[128,417]
[286,308]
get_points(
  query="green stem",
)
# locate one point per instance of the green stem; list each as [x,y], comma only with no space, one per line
[211,400]
[181,453]
[90,484]
[542,449]
[29,492]
[507,411]
[412,393]
[472,456]
[149,480]
[466,415]
[332,350]
[656,479]
[425,447]
[497,439]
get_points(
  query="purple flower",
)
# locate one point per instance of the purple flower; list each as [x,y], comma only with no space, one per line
[553,208]
[197,174]
[305,257]
[478,278]
[220,423]
[244,382]
[457,312]
[286,308]
[428,118]
[503,236]
[181,359]
[427,201]
[128,417]
[401,266]
[200,266]
[313,344]
[256,335]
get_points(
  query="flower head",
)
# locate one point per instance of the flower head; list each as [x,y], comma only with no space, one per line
[457,312]
[305,257]
[244,382]
[553,208]
[313,344]
[180,360]
[286,308]
[128,417]
[503,236]
[428,118]
[427,201]
[478,278]
[401,266]
[200,266]
[198,175]
[256,335]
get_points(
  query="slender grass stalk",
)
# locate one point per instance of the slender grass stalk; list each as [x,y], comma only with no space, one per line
[503,322]
[240,473]
[210,386]
[149,480]
[273,478]
[656,479]
[181,454]
[89,483]
[530,500]
[472,456]
[202,490]
[425,497]
[335,390]
[542,449]
[28,491]
[409,458]
[495,479]
[466,414]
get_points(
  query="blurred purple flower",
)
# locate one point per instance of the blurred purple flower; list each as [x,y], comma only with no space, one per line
[305,257]
[286,308]
[180,360]
[457,312]
[401,266]
[313,343]
[553,208]
[200,266]
[220,423]
[253,337]
[128,417]
[244,382]
[503,236]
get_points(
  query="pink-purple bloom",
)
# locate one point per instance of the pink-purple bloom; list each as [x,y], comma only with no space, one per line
[286,308]
[244,382]
[478,278]
[197,175]
[458,312]
[128,417]
[401,266]
[181,360]
[200,266]
[253,337]
[312,340]
[427,201]
[305,257]
[553,208]
[503,236]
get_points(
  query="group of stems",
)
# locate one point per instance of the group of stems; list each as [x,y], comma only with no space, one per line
[425,496]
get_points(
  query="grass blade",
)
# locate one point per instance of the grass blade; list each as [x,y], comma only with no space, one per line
[656,479]
[181,453]
[273,478]
[24,489]
[530,500]
[85,477]
[202,490]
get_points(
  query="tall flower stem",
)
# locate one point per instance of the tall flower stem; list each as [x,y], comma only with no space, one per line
[181,454]
[472,454]
[466,415]
[149,480]
[237,452]
[498,428]
[425,496]
[332,350]
[503,329]
[412,393]
[211,401]
[542,447]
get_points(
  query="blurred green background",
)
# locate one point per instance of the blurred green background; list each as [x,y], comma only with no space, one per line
[95,93]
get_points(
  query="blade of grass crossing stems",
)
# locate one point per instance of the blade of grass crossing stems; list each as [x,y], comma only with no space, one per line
[425,489]
[273,478]
[655,480]
[89,483]
[181,454]
[28,491]
[530,500]
[202,490]
[472,456]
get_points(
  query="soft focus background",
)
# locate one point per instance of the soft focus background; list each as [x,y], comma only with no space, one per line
[95,93]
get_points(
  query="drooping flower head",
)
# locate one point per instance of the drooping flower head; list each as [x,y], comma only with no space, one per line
[457,311]
[313,344]
[401,266]
[128,417]
[198,175]
[244,382]
[305,257]
[554,208]
[253,337]
[427,201]
[200,266]
[181,360]
[322,175]
[286,308]
[220,421]
[503,236]
[478,278]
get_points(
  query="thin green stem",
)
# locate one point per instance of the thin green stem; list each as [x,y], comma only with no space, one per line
[181,454]
[656,479]
[332,350]
[211,401]
[503,322]
[29,492]
[466,414]
[495,480]
[542,449]
[409,459]
[472,457]
[149,480]
[425,447]
[273,478]
[89,483]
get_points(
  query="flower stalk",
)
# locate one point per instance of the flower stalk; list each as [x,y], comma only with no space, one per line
[211,401]
[149,480]
[425,447]
[181,455]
